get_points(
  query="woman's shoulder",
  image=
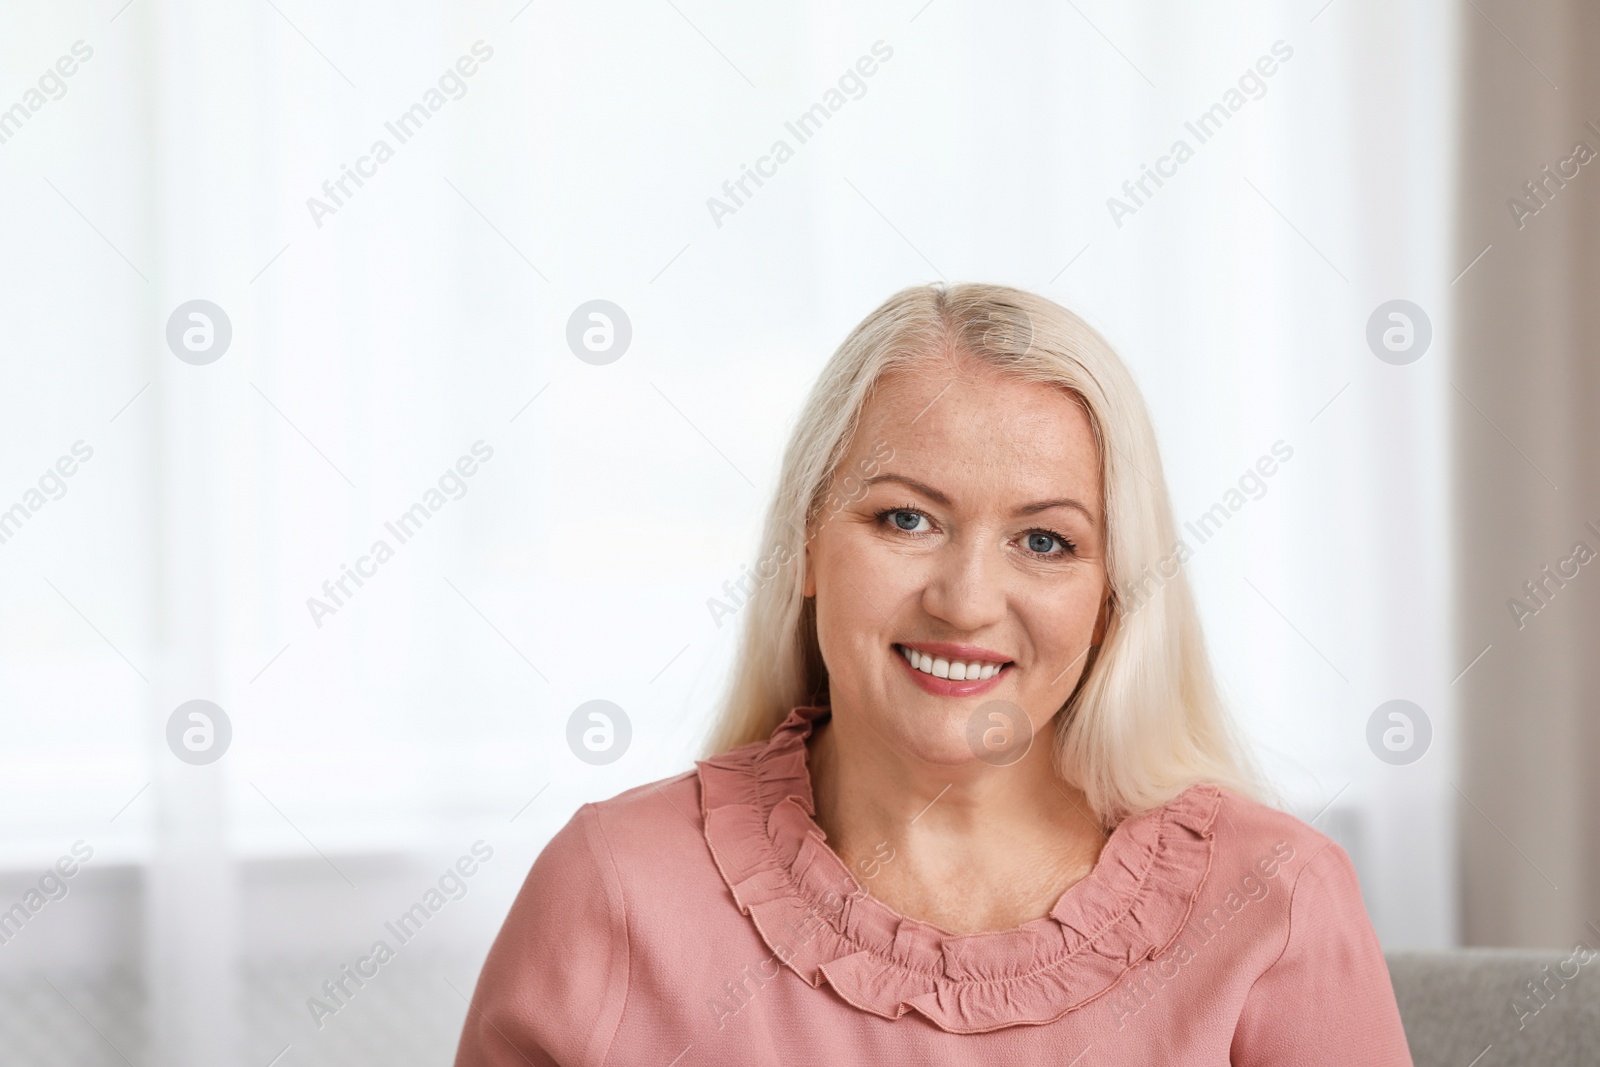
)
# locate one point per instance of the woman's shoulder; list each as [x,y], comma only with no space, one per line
[1250,816]
[640,828]
[669,799]
[1214,834]
[1242,862]
[1321,982]
[1274,937]
[1247,828]
[1254,879]
[597,854]
[1280,868]
[558,974]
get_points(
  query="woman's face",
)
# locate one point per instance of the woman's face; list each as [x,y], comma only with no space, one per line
[964,526]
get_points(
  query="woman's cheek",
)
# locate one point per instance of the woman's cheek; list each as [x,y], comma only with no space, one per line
[894,572]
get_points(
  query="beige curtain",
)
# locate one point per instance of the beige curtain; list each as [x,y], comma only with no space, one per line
[1526,413]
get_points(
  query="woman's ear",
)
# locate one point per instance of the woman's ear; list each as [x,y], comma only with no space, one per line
[808,575]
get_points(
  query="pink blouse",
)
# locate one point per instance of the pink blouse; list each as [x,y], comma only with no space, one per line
[704,920]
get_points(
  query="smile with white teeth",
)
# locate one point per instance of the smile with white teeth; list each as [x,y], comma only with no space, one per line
[955,670]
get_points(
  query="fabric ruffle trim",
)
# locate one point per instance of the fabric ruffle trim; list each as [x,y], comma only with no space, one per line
[819,921]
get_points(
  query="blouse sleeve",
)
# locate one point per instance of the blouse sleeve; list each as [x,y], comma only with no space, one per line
[553,986]
[1327,999]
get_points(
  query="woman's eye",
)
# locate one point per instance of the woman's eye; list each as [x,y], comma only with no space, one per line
[905,520]
[1043,544]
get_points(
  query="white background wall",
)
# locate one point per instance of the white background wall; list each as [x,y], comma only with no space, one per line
[429,313]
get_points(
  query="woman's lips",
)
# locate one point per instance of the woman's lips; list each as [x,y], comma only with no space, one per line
[945,687]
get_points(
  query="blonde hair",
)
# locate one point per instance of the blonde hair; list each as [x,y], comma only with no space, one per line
[1145,720]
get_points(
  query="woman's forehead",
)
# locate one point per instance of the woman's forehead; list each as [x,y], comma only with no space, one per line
[936,405]
[1009,434]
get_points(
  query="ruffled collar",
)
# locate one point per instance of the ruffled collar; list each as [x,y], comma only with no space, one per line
[759,821]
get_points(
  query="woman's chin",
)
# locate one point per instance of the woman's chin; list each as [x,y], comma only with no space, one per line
[939,739]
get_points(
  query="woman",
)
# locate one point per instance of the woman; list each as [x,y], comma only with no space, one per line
[973,798]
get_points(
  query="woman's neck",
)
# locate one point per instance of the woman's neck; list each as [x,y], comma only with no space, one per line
[967,848]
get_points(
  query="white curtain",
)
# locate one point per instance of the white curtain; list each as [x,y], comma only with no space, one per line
[383,331]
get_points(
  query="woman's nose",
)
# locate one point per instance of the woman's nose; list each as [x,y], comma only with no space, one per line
[966,585]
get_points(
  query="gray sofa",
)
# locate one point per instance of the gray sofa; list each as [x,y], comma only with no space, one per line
[1475,1007]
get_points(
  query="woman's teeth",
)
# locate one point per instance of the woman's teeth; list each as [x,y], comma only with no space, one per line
[955,670]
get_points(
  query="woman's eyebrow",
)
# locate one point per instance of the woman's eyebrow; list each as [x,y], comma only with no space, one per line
[926,490]
[939,498]
[1065,502]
